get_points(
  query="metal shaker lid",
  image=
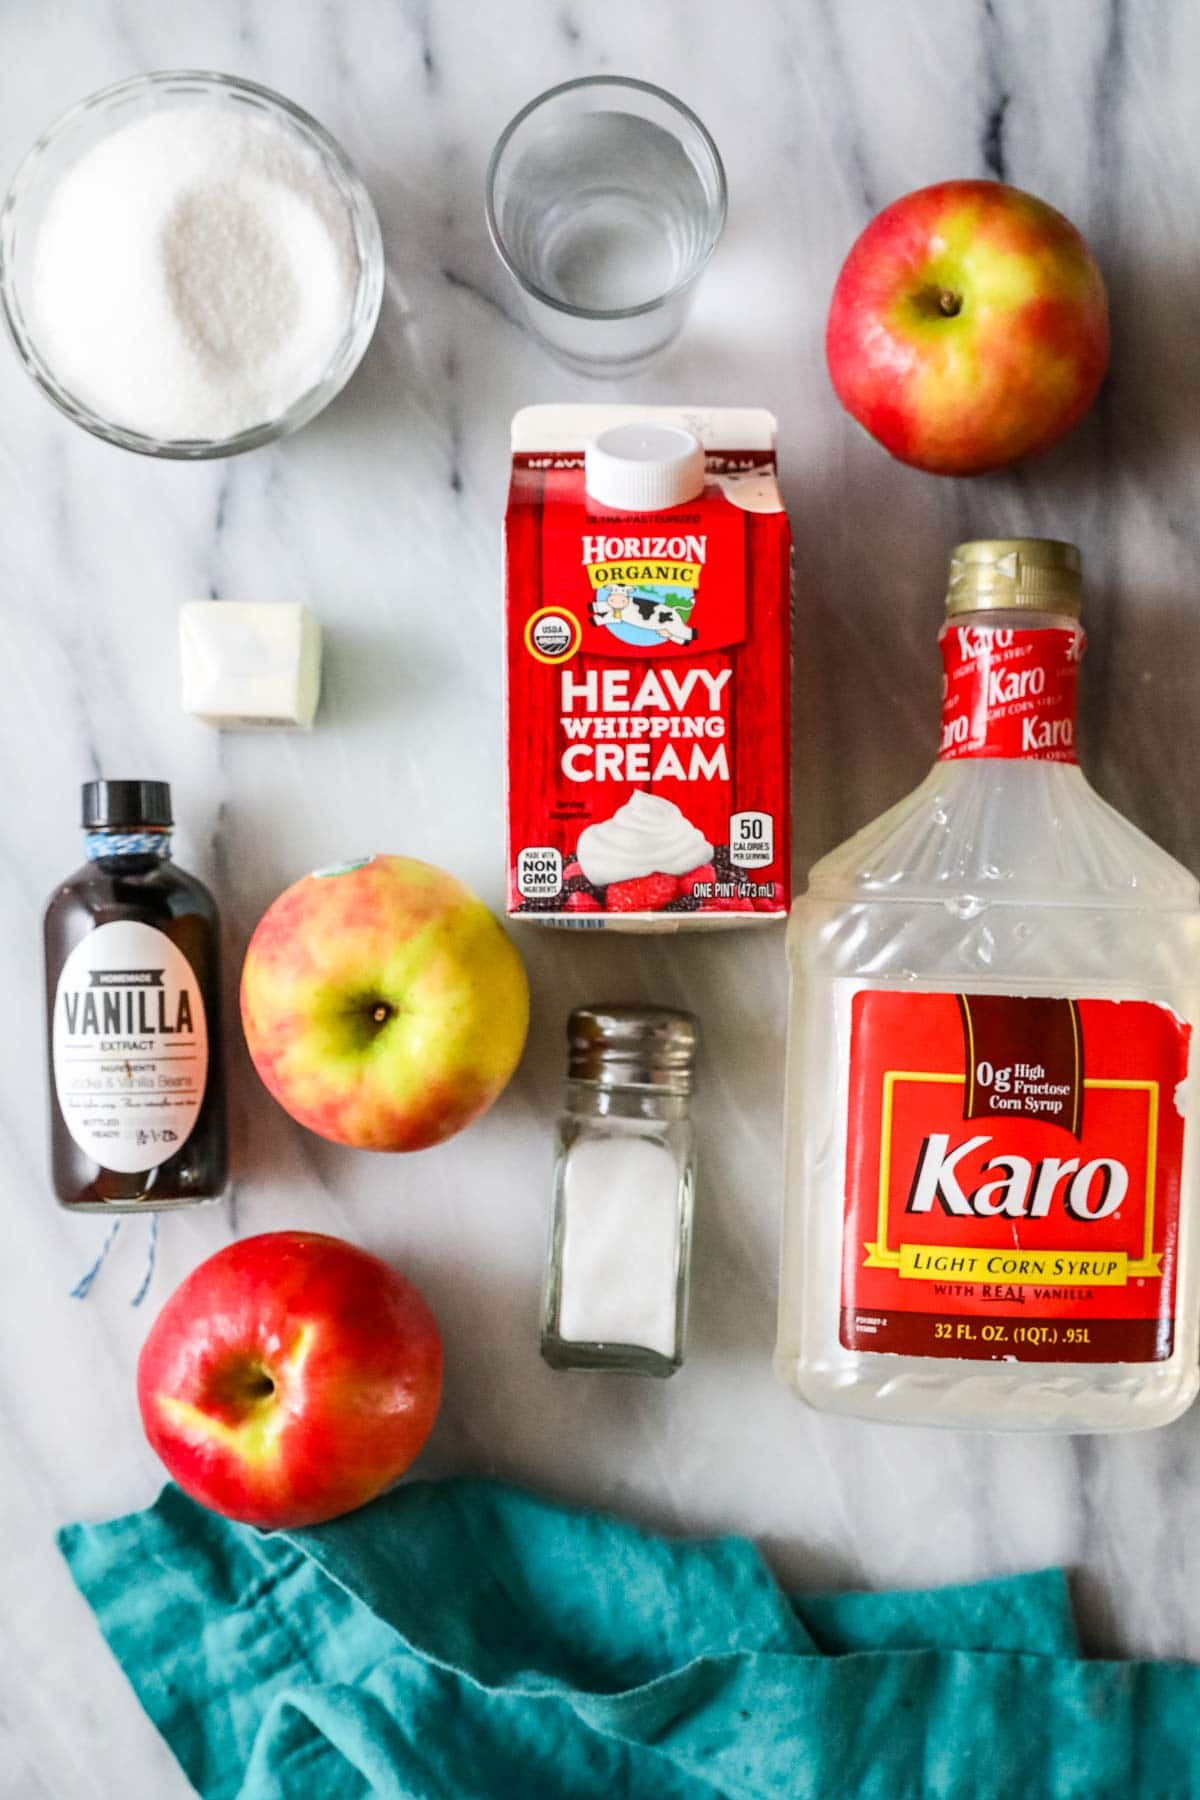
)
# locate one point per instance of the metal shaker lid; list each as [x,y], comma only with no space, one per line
[632,1046]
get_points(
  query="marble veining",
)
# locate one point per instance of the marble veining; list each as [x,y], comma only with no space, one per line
[824,110]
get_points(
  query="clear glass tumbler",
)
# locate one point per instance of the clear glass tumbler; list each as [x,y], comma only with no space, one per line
[605,199]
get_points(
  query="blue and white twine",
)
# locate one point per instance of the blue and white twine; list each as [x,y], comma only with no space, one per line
[99,844]
[83,1286]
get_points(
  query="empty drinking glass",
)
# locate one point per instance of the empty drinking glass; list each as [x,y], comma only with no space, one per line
[605,199]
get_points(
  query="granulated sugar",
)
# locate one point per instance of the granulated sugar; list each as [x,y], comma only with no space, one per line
[194,273]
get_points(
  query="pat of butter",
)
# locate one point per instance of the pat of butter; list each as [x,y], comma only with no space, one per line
[248,664]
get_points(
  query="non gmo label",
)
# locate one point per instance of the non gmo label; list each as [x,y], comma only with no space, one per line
[1012,1177]
[539,873]
[130,1047]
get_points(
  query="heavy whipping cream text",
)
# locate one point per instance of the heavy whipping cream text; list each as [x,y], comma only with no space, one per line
[648,682]
[653,718]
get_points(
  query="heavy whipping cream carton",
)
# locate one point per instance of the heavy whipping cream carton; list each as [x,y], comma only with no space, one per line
[648,581]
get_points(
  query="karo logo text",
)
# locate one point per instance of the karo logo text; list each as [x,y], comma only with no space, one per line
[1016,1188]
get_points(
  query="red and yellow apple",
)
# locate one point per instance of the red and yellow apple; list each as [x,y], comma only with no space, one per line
[383,1005]
[289,1378]
[968,327]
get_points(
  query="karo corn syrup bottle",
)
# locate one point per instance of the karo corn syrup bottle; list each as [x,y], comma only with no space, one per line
[991,1192]
[137,1108]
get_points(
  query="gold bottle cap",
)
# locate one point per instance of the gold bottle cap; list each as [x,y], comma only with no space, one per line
[1015,574]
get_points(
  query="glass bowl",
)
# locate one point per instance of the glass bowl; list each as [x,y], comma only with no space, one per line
[95,118]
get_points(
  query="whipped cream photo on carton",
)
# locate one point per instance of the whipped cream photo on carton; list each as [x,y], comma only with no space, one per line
[648,585]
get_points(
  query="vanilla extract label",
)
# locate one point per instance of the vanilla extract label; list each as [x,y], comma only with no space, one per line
[133,1001]
[1013,1176]
[129,1046]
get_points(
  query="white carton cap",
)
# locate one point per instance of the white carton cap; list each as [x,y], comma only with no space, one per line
[643,468]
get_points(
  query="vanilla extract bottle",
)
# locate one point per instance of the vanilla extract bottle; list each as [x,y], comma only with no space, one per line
[991,1203]
[137,1111]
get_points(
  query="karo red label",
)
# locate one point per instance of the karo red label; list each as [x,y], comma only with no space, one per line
[1009,693]
[1013,1177]
[649,677]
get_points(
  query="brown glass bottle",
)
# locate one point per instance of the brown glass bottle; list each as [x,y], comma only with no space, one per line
[137,1104]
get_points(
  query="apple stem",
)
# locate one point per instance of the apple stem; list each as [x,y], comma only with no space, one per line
[381,1013]
[949,304]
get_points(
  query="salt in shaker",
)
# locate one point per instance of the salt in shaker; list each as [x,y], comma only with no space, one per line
[617,1279]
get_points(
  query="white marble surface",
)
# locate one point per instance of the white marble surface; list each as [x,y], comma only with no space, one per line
[824,111]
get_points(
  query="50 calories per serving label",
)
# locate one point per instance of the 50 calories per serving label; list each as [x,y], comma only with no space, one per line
[1012,1177]
[130,1046]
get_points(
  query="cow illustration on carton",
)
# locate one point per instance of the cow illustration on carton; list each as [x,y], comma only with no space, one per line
[642,617]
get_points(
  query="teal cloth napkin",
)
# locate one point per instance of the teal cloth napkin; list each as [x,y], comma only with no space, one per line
[464,1640]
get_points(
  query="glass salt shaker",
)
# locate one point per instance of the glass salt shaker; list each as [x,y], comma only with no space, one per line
[616,1288]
